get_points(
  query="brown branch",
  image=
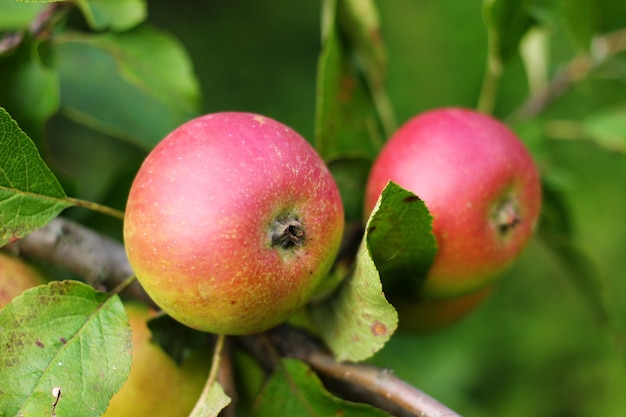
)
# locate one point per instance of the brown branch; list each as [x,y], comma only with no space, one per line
[355,381]
[98,260]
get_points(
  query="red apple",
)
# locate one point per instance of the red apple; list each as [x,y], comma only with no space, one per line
[15,277]
[481,186]
[231,223]
[156,385]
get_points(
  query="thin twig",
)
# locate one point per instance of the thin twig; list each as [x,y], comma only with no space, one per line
[38,26]
[603,48]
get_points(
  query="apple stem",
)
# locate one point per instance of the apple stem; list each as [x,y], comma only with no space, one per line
[287,231]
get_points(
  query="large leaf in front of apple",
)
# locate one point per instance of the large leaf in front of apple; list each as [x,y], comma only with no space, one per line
[30,194]
[295,390]
[398,248]
[65,349]
[137,85]
[400,240]
[17,15]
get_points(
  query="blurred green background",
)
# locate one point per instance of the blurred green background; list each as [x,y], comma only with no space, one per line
[536,346]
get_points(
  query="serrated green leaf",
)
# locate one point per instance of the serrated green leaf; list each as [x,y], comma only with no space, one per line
[137,85]
[346,119]
[400,240]
[357,320]
[607,128]
[16,15]
[30,195]
[295,390]
[116,15]
[65,349]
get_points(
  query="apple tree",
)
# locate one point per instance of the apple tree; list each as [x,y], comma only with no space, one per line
[189,226]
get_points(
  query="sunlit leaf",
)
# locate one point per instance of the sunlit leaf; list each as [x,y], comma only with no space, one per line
[137,85]
[30,195]
[65,349]
[607,128]
[211,404]
[117,15]
[295,390]
[17,15]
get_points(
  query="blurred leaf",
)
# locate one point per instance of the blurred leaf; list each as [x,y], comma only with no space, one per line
[62,336]
[359,21]
[579,16]
[346,119]
[136,85]
[29,89]
[295,390]
[507,22]
[350,175]
[607,128]
[116,15]
[400,240]
[556,231]
[16,15]
[30,195]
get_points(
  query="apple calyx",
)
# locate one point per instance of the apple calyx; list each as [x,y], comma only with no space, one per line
[506,216]
[287,231]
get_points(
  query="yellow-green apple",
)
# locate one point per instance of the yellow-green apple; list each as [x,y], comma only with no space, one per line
[481,186]
[15,277]
[156,385]
[232,222]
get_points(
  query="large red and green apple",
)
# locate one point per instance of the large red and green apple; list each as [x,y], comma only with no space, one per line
[481,186]
[232,222]
[157,386]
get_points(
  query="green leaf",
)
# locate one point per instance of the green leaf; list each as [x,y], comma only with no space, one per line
[137,85]
[295,390]
[507,22]
[29,88]
[556,231]
[400,240]
[116,15]
[30,195]
[357,320]
[607,128]
[346,119]
[16,15]
[360,23]
[62,337]
[211,404]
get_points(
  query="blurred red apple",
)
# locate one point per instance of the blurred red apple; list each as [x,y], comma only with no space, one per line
[479,183]
[232,222]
